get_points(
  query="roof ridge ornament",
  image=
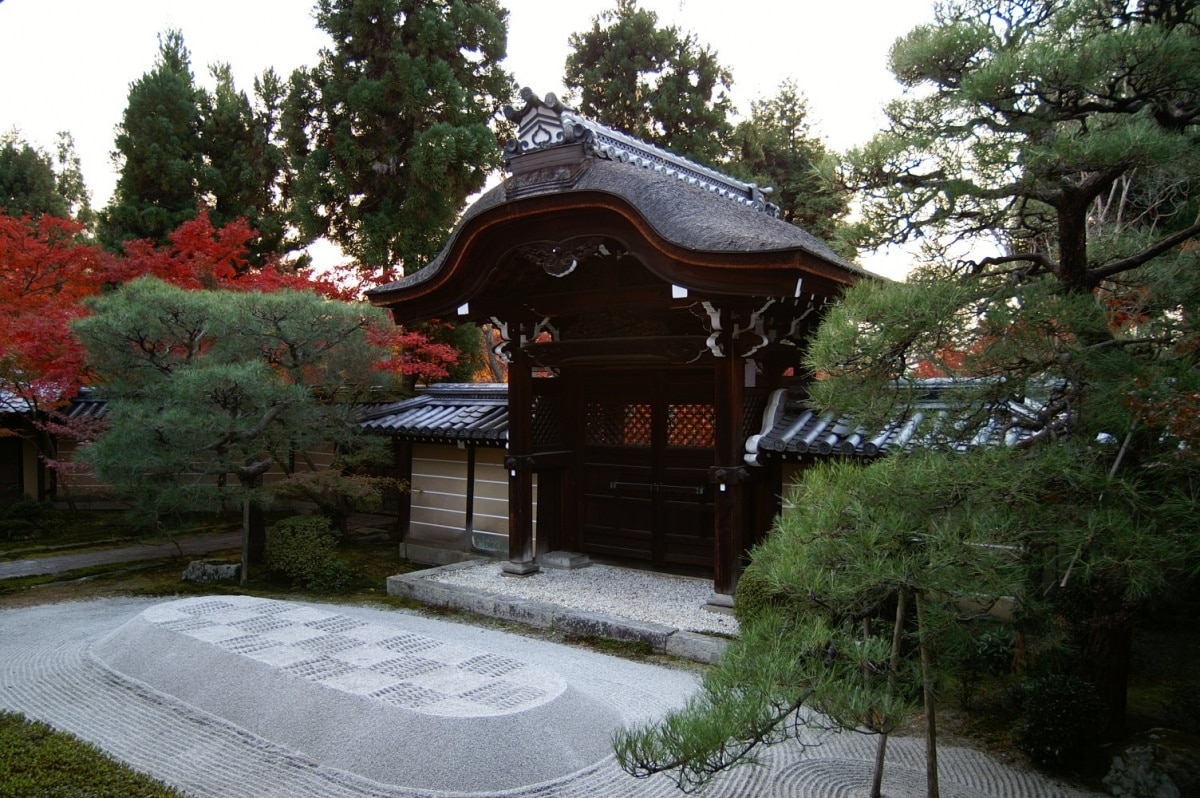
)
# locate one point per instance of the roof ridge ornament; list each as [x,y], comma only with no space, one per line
[544,124]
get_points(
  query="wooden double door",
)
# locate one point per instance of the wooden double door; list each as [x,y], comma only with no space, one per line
[647,442]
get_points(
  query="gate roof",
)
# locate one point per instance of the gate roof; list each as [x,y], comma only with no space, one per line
[576,187]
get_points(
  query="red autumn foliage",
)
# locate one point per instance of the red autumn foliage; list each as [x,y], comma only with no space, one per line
[947,362]
[413,354]
[1125,307]
[1172,410]
[46,272]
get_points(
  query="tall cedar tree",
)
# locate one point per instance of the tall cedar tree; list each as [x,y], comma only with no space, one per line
[244,163]
[391,132]
[1067,132]
[659,84]
[34,182]
[180,147]
[776,147]
[158,151]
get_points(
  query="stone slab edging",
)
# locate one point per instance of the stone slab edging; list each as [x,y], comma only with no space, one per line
[420,587]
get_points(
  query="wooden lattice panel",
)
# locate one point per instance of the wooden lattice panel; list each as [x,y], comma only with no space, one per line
[618,424]
[691,425]
[547,421]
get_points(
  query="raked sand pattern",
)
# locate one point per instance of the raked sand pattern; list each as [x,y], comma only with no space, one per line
[403,669]
[214,699]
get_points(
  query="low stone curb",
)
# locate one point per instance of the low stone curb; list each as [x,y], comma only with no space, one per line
[418,586]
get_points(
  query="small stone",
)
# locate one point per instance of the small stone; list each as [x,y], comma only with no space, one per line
[206,572]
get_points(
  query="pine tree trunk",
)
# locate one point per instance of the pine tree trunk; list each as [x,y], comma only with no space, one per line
[893,669]
[931,766]
[245,539]
[1106,654]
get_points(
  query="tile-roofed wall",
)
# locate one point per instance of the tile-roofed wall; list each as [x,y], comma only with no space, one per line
[450,413]
[791,429]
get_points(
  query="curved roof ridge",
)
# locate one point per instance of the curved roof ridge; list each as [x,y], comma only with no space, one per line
[543,124]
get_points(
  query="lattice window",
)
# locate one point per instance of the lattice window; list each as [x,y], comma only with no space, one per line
[547,427]
[602,424]
[637,429]
[692,425]
[618,424]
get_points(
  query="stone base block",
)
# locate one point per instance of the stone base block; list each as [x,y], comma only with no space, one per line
[564,560]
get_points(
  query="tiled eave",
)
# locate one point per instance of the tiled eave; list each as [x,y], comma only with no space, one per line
[467,414]
[793,431]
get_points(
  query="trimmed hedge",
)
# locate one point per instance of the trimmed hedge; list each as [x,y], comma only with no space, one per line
[303,548]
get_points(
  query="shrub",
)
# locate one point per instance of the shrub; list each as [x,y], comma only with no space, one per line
[753,594]
[335,576]
[27,510]
[1182,707]
[1061,717]
[303,548]
[18,529]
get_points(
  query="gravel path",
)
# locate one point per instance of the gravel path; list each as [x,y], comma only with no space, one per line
[677,601]
[49,671]
[61,564]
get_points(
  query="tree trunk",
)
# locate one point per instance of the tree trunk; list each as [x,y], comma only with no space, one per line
[245,539]
[489,354]
[931,766]
[1072,245]
[893,669]
[254,529]
[256,533]
[1107,649]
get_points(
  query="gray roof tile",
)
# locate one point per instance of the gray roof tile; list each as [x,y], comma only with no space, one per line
[446,413]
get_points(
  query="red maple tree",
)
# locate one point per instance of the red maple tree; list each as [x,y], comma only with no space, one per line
[47,270]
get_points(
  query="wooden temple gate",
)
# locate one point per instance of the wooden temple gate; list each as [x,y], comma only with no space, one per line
[647,308]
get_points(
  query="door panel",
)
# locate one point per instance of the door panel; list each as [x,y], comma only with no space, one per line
[647,447]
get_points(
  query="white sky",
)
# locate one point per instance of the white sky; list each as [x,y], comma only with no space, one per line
[67,64]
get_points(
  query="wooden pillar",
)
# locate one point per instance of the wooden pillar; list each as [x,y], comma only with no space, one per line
[728,475]
[519,462]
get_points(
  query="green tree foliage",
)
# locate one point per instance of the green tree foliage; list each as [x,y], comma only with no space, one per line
[658,84]
[853,608]
[1027,118]
[391,132]
[776,147]
[243,161]
[210,390]
[158,150]
[1087,168]
[180,147]
[1066,133]
[34,182]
